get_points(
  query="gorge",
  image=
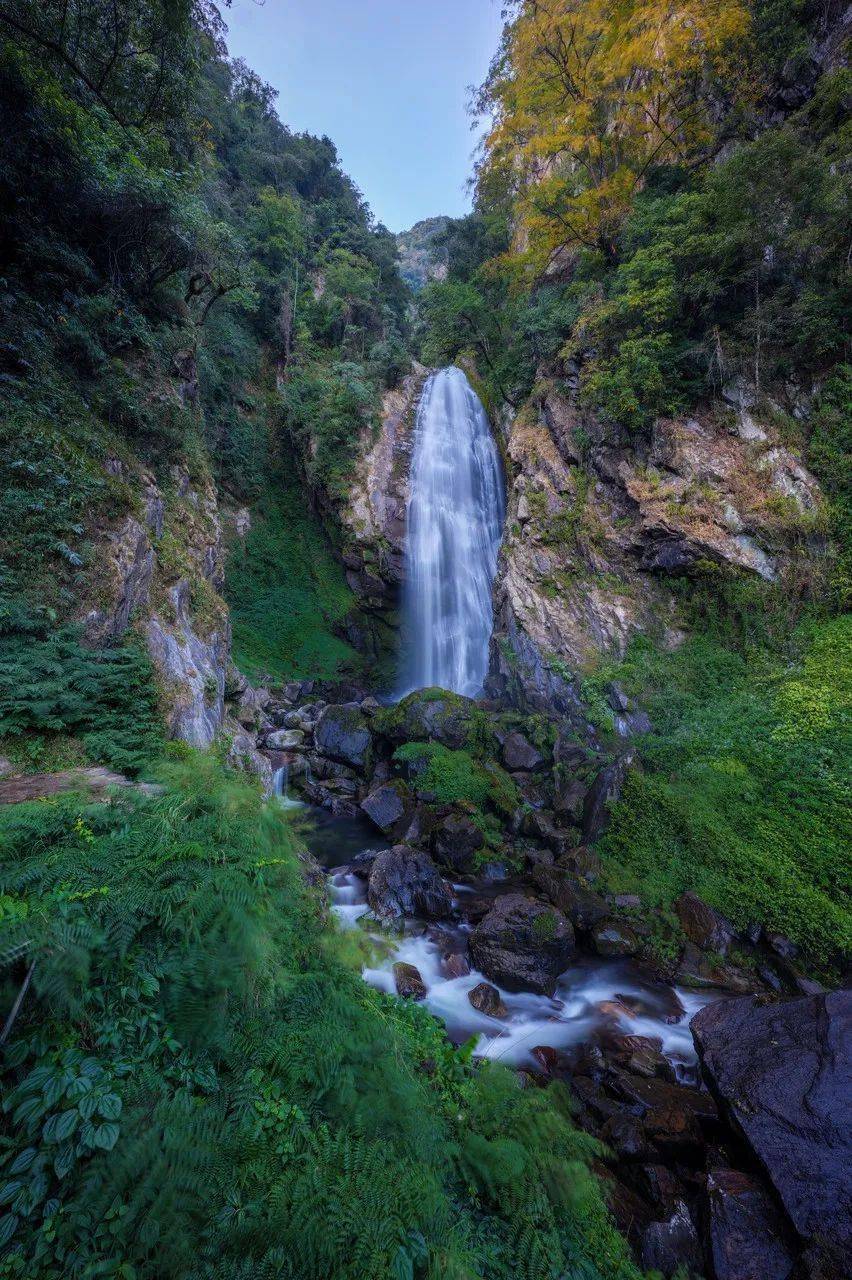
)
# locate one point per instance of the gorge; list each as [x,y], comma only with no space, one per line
[425,659]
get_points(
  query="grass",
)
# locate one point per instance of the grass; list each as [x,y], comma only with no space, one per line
[744,792]
[287,593]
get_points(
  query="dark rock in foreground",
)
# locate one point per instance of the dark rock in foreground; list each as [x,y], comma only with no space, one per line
[784,1073]
[486,999]
[389,807]
[405,882]
[408,981]
[522,944]
[703,925]
[746,1229]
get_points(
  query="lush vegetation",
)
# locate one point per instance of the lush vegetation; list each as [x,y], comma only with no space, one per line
[743,795]
[287,593]
[199,1085]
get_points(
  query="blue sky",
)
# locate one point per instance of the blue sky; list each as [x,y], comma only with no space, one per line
[386,80]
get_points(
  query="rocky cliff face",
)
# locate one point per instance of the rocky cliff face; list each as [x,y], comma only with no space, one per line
[598,524]
[374,518]
[161,568]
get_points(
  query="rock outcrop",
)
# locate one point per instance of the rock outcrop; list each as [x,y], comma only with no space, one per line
[597,521]
[783,1073]
[522,944]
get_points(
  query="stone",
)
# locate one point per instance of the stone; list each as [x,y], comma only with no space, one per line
[285,740]
[642,1056]
[408,981]
[433,715]
[583,907]
[747,1234]
[784,1075]
[522,944]
[342,734]
[455,966]
[389,807]
[405,882]
[603,794]
[659,1186]
[569,796]
[486,999]
[609,938]
[673,1244]
[581,861]
[624,1133]
[703,925]
[455,842]
[519,753]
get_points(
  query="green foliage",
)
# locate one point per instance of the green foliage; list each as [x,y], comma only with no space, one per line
[743,796]
[287,593]
[52,687]
[457,777]
[198,1086]
[829,453]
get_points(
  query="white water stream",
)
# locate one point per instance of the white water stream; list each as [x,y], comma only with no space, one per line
[456,510]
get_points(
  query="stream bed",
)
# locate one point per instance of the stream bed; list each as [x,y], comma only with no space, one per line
[596,1002]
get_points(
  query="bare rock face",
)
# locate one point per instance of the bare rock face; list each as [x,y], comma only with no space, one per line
[784,1074]
[703,925]
[522,944]
[374,517]
[596,521]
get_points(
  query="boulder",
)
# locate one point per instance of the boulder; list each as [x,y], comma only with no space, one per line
[342,734]
[523,945]
[603,794]
[583,907]
[486,999]
[456,840]
[408,981]
[389,807]
[569,797]
[285,740]
[703,925]
[747,1235]
[455,966]
[519,753]
[432,715]
[609,938]
[405,882]
[784,1074]
[673,1244]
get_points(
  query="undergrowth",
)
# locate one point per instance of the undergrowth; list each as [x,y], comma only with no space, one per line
[287,593]
[743,795]
[198,1085]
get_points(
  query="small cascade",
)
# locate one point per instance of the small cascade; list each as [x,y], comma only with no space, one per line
[456,509]
[280,783]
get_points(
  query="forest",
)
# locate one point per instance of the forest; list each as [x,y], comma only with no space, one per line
[214,374]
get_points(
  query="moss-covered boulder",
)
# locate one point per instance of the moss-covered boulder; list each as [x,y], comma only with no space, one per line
[523,945]
[342,734]
[435,715]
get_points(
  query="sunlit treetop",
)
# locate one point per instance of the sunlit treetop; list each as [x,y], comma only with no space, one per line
[587,96]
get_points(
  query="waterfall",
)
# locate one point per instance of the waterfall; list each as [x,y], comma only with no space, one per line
[456,510]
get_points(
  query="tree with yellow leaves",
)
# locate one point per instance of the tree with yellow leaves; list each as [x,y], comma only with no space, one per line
[586,96]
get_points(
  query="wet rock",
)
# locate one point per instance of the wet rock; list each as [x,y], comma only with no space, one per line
[486,999]
[703,925]
[661,1095]
[630,1213]
[456,841]
[569,797]
[522,944]
[389,807]
[784,1072]
[669,1245]
[408,981]
[342,734]
[455,966]
[583,907]
[519,753]
[659,1186]
[405,882]
[603,794]
[609,938]
[747,1235]
[642,1056]
[625,1134]
[695,970]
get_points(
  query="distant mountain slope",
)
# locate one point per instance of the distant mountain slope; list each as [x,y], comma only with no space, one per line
[420,259]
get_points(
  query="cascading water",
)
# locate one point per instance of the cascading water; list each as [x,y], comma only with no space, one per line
[456,510]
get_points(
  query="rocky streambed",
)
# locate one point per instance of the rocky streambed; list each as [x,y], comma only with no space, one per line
[716,1081]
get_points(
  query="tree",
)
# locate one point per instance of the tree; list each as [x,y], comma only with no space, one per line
[587,97]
